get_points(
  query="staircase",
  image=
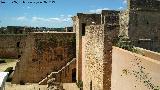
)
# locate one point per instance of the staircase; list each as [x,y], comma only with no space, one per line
[44,81]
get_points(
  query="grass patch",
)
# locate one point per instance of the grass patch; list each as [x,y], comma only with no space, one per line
[7,60]
[10,60]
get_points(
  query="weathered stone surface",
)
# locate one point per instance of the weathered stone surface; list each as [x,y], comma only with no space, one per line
[12,45]
[43,54]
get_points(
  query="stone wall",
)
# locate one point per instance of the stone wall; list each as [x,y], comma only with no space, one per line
[110,17]
[149,5]
[79,23]
[70,86]
[44,53]
[99,29]
[143,25]
[131,71]
[11,45]
[94,56]
[148,53]
[144,29]
[123,22]
[67,74]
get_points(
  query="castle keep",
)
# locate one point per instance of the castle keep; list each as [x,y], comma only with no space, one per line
[86,52]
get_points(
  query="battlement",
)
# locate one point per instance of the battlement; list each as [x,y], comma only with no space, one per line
[110,17]
[146,5]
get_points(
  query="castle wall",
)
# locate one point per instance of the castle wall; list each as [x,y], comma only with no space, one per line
[11,45]
[94,56]
[123,22]
[131,71]
[79,23]
[44,53]
[148,53]
[143,27]
[68,74]
[146,5]
[95,36]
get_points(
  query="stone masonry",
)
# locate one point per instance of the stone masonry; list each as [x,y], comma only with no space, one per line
[93,55]
[12,45]
[44,53]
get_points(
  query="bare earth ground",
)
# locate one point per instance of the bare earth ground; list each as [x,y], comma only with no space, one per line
[4,66]
[9,86]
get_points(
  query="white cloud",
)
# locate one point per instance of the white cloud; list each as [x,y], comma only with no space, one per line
[120,8]
[21,18]
[62,15]
[51,20]
[124,1]
[98,10]
[69,15]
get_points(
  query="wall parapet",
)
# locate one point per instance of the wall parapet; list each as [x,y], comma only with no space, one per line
[132,71]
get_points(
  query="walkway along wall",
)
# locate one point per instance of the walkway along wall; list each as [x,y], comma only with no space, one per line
[131,71]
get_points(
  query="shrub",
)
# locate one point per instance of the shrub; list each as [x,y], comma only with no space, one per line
[9,69]
[9,79]
[22,82]
[124,43]
[79,84]
[2,61]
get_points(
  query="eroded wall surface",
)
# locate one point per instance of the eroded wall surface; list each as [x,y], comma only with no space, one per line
[79,23]
[94,55]
[44,53]
[131,71]
[144,26]
[11,45]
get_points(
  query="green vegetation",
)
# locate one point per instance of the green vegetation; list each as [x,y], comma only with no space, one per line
[79,84]
[6,60]
[10,60]
[9,69]
[2,61]
[22,82]
[124,43]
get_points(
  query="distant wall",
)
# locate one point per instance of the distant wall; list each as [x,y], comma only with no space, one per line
[132,71]
[11,45]
[44,53]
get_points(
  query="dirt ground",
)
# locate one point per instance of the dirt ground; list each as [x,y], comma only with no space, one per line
[9,86]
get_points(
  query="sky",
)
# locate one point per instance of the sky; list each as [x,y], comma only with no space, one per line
[52,13]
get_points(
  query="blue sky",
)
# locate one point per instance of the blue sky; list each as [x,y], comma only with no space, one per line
[50,14]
